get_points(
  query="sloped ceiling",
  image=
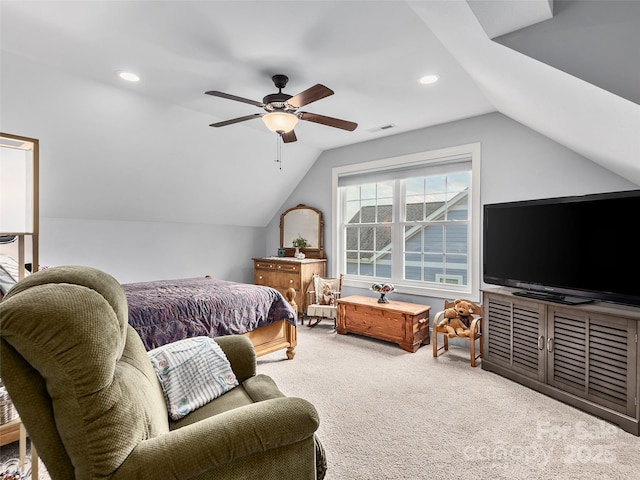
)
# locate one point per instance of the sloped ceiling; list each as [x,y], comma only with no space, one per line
[586,118]
[581,35]
[145,152]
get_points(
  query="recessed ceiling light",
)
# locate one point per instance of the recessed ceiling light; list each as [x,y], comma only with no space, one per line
[128,76]
[429,79]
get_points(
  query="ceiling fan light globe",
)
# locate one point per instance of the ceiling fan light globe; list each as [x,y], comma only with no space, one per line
[280,122]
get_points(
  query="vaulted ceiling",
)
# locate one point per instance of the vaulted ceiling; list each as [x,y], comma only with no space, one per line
[569,70]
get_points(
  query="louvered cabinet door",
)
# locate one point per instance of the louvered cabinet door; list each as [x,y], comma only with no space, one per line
[515,335]
[593,356]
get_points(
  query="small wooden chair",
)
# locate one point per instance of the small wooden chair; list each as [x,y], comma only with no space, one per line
[475,331]
[317,308]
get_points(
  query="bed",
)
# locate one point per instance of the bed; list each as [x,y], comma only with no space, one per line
[168,310]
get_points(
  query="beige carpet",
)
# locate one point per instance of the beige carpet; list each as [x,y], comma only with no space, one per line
[387,414]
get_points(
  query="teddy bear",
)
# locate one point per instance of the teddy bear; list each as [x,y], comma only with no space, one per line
[327,297]
[457,319]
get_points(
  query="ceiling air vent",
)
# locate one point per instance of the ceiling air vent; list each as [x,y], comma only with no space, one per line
[382,128]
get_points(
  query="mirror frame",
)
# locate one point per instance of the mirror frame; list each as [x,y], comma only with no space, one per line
[312,252]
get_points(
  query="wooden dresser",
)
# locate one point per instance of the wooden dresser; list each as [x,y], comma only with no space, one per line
[283,273]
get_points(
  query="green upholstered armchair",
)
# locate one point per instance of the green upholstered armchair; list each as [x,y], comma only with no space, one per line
[87,393]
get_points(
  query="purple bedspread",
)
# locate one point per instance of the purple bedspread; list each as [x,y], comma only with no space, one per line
[168,310]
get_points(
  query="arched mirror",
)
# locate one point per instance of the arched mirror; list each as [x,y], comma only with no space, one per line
[304,222]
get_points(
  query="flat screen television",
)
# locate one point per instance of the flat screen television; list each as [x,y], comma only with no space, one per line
[568,250]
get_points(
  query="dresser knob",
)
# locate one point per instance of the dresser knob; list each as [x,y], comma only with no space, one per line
[260,277]
[290,281]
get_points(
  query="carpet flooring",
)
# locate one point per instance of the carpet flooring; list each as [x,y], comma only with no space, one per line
[387,414]
[391,415]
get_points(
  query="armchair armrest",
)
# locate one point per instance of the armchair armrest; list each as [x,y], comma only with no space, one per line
[240,353]
[216,441]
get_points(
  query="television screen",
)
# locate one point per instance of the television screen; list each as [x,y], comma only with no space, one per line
[569,249]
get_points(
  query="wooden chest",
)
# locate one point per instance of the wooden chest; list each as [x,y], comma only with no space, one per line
[406,324]
[283,273]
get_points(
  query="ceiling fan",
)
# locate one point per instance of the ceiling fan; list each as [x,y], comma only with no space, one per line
[282,109]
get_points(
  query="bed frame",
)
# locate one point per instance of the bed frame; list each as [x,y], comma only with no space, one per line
[274,337]
[277,335]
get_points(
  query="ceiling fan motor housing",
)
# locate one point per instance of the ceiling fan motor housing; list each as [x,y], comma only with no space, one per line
[277,101]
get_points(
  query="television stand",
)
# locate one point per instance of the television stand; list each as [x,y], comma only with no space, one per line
[584,355]
[553,297]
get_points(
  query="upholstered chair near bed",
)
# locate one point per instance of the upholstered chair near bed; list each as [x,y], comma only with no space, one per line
[94,407]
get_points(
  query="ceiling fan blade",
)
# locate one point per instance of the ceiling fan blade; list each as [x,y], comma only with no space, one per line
[330,121]
[309,95]
[215,93]
[236,120]
[289,137]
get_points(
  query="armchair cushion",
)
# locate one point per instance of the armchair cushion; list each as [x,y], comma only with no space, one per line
[192,372]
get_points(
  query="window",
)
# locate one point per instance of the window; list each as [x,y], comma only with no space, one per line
[412,221]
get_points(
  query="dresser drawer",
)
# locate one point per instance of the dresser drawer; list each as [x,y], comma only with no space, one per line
[265,266]
[288,267]
[285,280]
[264,277]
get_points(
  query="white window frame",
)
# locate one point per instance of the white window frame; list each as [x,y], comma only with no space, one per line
[422,159]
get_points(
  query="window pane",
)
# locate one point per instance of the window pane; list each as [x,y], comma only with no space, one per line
[414,186]
[458,208]
[436,184]
[368,191]
[458,182]
[368,211]
[414,208]
[456,267]
[413,266]
[456,238]
[366,238]
[366,264]
[352,263]
[383,238]
[352,193]
[352,242]
[433,265]
[383,266]
[385,190]
[433,238]
[385,213]
[413,239]
[352,212]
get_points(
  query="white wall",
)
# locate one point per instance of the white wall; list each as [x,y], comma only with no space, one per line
[140,251]
[517,164]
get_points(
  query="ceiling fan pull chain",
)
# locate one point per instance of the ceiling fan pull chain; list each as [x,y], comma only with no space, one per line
[279,150]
